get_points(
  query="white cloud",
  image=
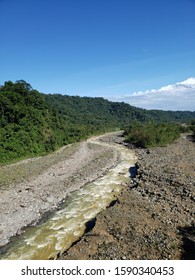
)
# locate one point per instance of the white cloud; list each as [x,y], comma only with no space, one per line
[179,96]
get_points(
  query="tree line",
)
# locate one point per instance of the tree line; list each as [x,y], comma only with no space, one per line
[32,123]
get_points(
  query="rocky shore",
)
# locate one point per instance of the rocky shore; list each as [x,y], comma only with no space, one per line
[153,218]
[31,188]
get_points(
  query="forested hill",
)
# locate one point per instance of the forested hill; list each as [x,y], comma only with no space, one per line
[32,123]
[99,111]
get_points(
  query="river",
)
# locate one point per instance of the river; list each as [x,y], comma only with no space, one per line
[54,235]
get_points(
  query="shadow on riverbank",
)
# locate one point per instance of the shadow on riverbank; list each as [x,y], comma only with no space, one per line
[188,242]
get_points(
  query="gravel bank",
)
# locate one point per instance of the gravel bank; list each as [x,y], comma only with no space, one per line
[155,219]
[31,188]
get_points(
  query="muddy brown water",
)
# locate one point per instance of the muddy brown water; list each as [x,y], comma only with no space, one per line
[67,225]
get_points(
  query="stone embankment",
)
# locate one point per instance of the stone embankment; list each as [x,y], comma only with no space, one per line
[152,219]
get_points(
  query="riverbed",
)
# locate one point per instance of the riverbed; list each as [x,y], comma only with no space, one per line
[67,224]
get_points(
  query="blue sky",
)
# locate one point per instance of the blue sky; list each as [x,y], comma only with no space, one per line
[116,49]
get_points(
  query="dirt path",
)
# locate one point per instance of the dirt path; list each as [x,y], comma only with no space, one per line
[35,186]
[154,220]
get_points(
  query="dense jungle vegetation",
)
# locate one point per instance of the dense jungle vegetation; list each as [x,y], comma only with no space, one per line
[32,123]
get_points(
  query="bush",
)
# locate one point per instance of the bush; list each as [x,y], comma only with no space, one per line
[151,135]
